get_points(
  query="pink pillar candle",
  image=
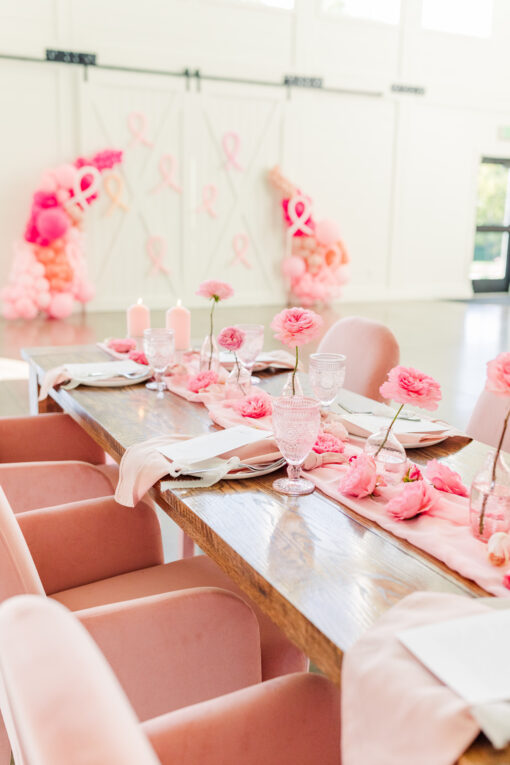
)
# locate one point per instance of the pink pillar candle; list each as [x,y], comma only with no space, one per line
[178,318]
[138,319]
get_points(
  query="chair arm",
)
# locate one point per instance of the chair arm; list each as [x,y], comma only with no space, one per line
[83,542]
[180,648]
[284,721]
[46,437]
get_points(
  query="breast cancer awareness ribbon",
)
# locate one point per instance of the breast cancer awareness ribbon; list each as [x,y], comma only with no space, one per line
[231,144]
[80,196]
[209,196]
[138,124]
[114,186]
[167,165]
[298,220]
[156,248]
[240,244]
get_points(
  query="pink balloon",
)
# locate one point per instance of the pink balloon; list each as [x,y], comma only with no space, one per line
[52,223]
[43,300]
[37,269]
[48,182]
[25,308]
[85,292]
[327,232]
[61,305]
[65,175]
[293,267]
[9,311]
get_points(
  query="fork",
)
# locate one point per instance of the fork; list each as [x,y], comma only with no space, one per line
[129,375]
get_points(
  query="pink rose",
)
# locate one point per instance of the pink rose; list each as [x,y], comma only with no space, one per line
[296,326]
[328,443]
[256,405]
[406,385]
[121,344]
[138,357]
[361,477]
[498,548]
[413,499]
[202,380]
[498,375]
[445,479]
[413,474]
[231,338]
[215,290]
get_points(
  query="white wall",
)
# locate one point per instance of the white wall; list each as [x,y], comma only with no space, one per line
[397,171]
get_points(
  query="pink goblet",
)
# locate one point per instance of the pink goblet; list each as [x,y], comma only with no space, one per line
[296,422]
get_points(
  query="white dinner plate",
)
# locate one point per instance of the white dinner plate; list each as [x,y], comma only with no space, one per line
[111,382]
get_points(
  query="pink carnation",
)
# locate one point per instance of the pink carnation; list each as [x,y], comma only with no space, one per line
[498,375]
[256,405]
[215,290]
[296,326]
[445,479]
[328,443]
[231,338]
[121,344]
[202,380]
[361,477]
[138,357]
[413,499]
[413,474]
[406,385]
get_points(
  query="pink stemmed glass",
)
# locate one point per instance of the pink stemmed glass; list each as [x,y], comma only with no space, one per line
[296,421]
[252,345]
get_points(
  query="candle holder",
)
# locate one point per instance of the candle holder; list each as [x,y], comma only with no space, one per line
[489,500]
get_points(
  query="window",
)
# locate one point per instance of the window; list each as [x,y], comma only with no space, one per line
[386,11]
[460,17]
[490,270]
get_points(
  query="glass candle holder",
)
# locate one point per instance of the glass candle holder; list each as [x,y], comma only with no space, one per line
[489,500]
[389,455]
[209,355]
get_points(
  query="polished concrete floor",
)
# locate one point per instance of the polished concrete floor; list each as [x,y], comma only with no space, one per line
[451,340]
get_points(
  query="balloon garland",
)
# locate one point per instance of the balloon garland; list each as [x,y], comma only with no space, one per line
[49,272]
[315,263]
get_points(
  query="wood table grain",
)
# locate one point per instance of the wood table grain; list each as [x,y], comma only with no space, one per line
[323,573]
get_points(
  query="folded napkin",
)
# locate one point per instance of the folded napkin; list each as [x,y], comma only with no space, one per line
[78,374]
[266,360]
[178,384]
[394,711]
[407,431]
[224,413]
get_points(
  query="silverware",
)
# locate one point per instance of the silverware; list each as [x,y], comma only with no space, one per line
[409,417]
[103,376]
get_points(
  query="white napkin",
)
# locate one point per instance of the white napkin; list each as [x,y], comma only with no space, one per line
[407,431]
[79,374]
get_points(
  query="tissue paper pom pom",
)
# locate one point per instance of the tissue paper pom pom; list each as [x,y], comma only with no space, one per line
[65,175]
[60,306]
[293,267]
[327,232]
[52,224]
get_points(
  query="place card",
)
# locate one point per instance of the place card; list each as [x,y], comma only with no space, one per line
[213,444]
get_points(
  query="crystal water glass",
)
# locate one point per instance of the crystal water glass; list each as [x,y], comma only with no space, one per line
[252,345]
[327,375]
[159,347]
[296,422]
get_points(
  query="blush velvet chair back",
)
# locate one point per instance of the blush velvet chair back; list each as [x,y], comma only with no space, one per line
[371,350]
[64,706]
[486,423]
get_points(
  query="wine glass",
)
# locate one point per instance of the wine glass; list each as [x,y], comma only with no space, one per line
[252,345]
[159,347]
[327,375]
[296,422]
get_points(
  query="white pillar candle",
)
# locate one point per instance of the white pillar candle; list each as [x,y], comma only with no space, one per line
[138,319]
[178,318]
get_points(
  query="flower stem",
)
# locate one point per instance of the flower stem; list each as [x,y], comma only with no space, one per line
[493,475]
[389,430]
[238,373]
[294,372]
[211,329]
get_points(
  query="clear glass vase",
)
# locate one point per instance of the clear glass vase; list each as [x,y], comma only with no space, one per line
[209,355]
[389,454]
[489,500]
[238,382]
[290,390]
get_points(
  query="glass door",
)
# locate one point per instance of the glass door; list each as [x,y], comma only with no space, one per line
[490,269]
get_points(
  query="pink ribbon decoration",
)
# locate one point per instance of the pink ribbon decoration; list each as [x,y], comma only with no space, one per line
[231,144]
[209,196]
[240,244]
[167,166]
[80,196]
[138,124]
[114,186]
[156,248]
[299,219]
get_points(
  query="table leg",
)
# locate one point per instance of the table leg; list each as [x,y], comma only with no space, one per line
[36,406]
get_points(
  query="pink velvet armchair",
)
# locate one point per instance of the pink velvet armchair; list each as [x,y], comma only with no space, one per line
[63,703]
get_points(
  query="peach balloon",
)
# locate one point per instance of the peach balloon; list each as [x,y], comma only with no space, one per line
[327,232]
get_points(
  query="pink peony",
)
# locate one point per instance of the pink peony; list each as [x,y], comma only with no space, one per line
[215,290]
[121,344]
[413,474]
[413,499]
[361,477]
[406,385]
[231,338]
[498,375]
[202,380]
[296,326]
[328,443]
[138,357]
[445,479]
[256,405]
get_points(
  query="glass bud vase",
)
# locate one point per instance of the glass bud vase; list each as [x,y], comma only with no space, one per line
[390,458]
[287,388]
[489,500]
[209,355]
[238,382]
